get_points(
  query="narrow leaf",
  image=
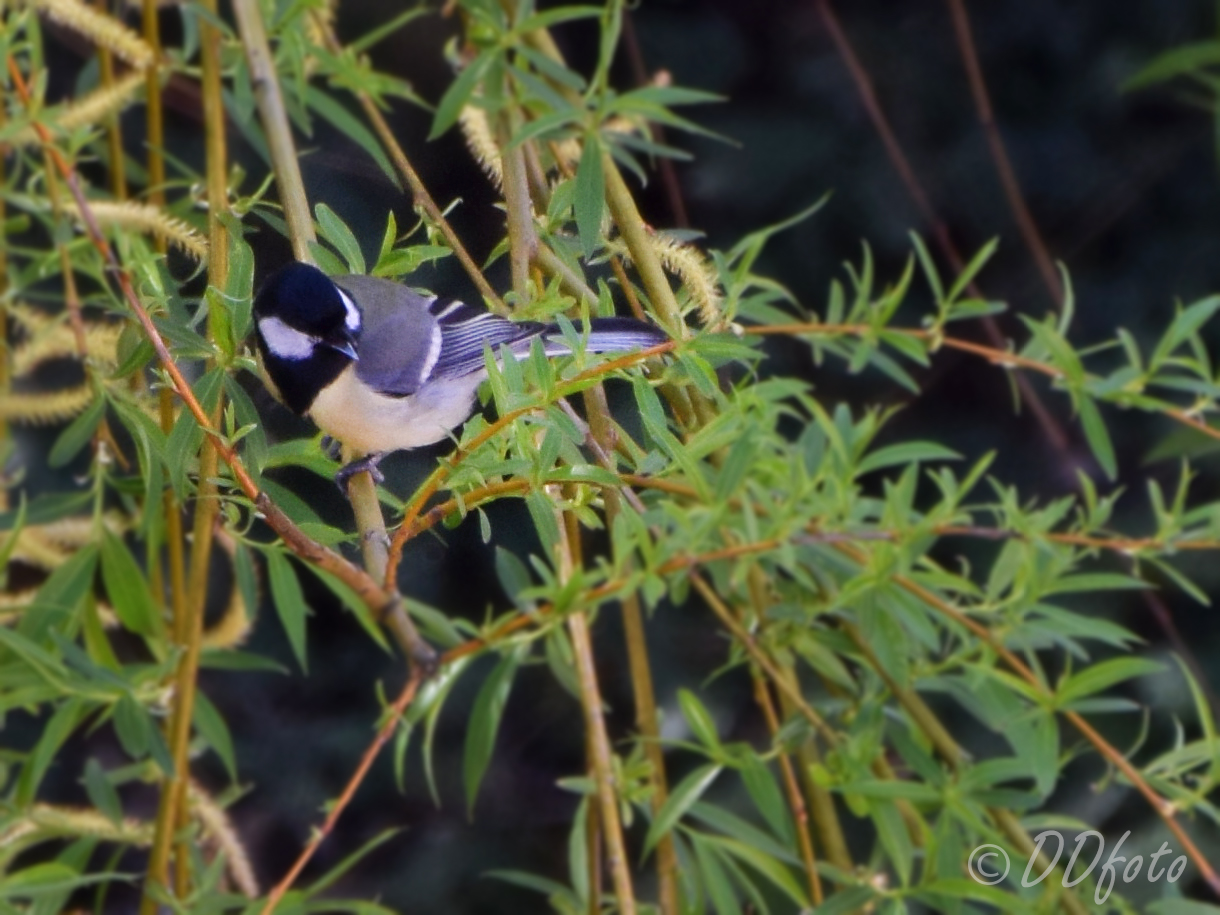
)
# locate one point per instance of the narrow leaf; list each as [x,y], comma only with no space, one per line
[590,195]
[688,791]
[289,603]
[485,722]
[127,587]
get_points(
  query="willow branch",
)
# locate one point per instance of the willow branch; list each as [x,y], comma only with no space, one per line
[999,153]
[419,192]
[995,356]
[408,528]
[940,232]
[1164,808]
[274,117]
[378,599]
[319,835]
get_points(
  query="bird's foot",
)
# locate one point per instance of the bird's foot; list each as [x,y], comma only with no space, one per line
[366,464]
[332,448]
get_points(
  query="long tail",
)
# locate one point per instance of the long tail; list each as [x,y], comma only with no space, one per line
[608,335]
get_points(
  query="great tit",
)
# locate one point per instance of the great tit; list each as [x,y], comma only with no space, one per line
[381,367]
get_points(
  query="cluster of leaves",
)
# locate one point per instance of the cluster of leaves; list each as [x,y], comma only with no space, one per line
[820,552]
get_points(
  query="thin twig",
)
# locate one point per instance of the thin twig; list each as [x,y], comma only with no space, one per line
[995,356]
[1050,426]
[999,154]
[419,192]
[601,758]
[800,813]
[1164,808]
[397,710]
[375,597]
[408,528]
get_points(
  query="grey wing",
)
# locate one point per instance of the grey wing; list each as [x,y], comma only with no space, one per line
[466,330]
[400,339]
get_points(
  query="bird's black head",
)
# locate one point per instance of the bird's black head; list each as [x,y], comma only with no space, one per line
[307,330]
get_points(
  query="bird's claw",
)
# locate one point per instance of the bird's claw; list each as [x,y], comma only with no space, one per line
[366,464]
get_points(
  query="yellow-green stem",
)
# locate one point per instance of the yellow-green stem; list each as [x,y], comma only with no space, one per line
[522,238]
[278,131]
[114,136]
[796,801]
[567,557]
[154,116]
[820,801]
[603,768]
[951,752]
[634,231]
[206,507]
[5,374]
[598,412]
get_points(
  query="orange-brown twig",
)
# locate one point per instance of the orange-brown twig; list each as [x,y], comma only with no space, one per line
[405,698]
[377,598]
[408,528]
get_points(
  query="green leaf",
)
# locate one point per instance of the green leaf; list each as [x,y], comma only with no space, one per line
[353,128]
[77,434]
[127,588]
[335,231]
[101,792]
[212,727]
[44,508]
[1103,675]
[332,876]
[767,797]
[736,465]
[700,720]
[737,828]
[687,792]
[60,595]
[289,603]
[906,453]
[514,577]
[1181,907]
[590,195]
[485,722]
[894,837]
[765,864]
[1089,582]
[57,729]
[457,96]
[46,878]
[1179,61]
[715,880]
[553,17]
[1185,324]
[132,726]
[1097,436]
[352,601]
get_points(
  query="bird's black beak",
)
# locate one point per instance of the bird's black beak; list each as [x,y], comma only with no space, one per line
[344,343]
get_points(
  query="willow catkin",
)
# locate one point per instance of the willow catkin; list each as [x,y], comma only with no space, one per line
[149,220]
[103,30]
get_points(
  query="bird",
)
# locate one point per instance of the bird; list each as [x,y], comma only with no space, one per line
[381,367]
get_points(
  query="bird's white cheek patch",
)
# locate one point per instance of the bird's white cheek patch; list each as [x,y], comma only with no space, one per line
[284,341]
[352,320]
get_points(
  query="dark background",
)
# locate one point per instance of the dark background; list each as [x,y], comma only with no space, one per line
[1124,190]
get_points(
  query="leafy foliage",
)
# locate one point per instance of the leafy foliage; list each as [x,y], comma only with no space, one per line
[822,549]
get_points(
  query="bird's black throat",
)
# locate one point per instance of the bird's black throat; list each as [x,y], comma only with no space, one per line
[299,381]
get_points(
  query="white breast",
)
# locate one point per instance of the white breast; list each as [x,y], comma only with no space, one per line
[371,423]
